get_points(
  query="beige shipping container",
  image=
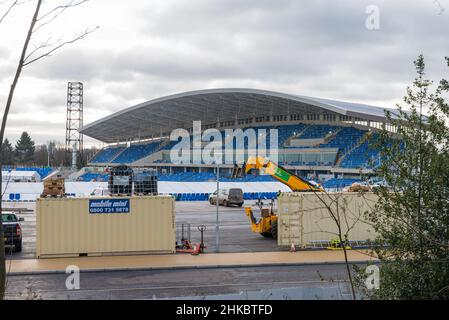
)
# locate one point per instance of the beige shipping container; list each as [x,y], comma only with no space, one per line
[304,218]
[102,226]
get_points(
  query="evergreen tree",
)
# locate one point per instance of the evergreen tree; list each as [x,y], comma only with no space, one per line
[24,150]
[412,214]
[7,153]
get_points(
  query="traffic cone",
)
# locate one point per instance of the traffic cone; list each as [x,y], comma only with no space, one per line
[292,248]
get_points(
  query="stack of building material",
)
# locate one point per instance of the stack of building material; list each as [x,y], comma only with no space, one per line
[358,187]
[54,188]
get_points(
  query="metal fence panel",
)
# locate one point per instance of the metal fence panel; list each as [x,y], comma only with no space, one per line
[304,218]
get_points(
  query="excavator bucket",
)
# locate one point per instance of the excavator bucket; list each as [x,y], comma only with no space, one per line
[254,163]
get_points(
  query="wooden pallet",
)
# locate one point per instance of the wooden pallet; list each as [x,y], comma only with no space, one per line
[52,195]
[54,183]
[141,194]
[54,188]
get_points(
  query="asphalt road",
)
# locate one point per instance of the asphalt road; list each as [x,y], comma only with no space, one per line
[282,282]
[28,231]
[293,282]
[235,231]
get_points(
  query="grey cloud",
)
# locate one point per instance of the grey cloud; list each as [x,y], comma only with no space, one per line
[78,63]
[254,40]
[4,52]
[302,39]
[310,47]
[41,130]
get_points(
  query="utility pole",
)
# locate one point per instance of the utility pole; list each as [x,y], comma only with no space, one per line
[217,222]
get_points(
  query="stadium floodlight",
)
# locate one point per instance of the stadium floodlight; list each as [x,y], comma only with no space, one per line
[74,120]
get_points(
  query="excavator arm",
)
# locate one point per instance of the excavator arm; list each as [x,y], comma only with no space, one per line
[281,174]
[268,223]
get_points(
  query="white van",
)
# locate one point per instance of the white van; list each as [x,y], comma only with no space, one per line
[227,197]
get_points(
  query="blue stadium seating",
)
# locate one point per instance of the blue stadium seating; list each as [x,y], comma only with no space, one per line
[338,183]
[136,152]
[344,139]
[311,163]
[286,132]
[205,196]
[318,131]
[87,177]
[361,156]
[106,155]
[208,176]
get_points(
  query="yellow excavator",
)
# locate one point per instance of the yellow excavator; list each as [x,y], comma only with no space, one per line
[267,225]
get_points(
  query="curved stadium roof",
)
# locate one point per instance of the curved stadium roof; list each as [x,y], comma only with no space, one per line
[162,115]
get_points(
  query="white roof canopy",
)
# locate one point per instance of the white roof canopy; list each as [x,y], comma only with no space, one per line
[162,115]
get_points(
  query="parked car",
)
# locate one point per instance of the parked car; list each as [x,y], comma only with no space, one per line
[12,231]
[227,197]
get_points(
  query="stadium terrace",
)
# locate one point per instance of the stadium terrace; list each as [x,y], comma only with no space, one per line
[212,146]
[323,138]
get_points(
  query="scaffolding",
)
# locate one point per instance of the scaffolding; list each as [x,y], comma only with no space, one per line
[74,121]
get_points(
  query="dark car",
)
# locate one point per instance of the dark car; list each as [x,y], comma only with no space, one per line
[12,231]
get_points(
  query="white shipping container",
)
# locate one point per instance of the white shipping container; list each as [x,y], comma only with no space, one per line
[101,226]
[304,218]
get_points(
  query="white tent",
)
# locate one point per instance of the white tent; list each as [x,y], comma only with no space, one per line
[20,176]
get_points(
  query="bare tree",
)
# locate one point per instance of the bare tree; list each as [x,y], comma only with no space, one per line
[345,217]
[337,208]
[39,20]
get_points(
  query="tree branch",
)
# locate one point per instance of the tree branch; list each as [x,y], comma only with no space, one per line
[55,10]
[37,48]
[13,4]
[49,52]
[8,10]
[26,59]
[61,8]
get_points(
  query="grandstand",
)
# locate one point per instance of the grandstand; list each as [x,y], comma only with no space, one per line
[89,177]
[322,138]
[107,155]
[338,183]
[136,152]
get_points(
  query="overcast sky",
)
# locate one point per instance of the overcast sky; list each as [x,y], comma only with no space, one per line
[147,49]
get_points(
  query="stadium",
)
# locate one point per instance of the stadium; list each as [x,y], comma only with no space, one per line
[224,151]
[321,139]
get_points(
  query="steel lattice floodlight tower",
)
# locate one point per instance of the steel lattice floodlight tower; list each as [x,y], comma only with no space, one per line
[74,121]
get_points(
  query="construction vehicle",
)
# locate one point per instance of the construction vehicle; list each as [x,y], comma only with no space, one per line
[267,225]
[336,244]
